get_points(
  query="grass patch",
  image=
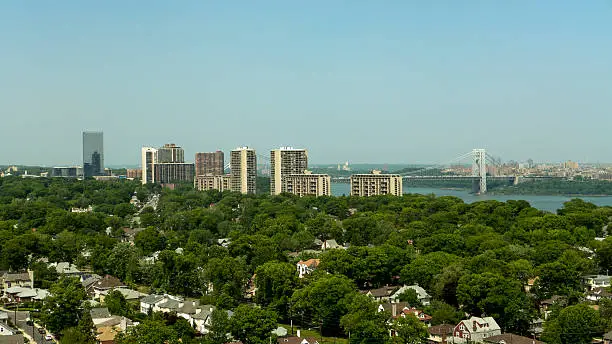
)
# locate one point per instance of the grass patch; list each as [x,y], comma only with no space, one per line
[315,334]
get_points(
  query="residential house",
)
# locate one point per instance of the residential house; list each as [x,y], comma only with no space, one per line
[167,306]
[87,280]
[188,309]
[509,338]
[251,288]
[25,294]
[108,330]
[147,303]
[419,314]
[4,317]
[65,268]
[536,327]
[382,294]
[530,284]
[395,309]
[306,267]
[597,294]
[128,294]
[439,333]
[330,245]
[20,279]
[201,320]
[104,284]
[100,315]
[422,294]
[597,281]
[546,304]
[477,329]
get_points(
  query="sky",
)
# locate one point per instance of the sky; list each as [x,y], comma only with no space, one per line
[360,81]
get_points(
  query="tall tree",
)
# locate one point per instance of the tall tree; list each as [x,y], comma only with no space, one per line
[63,308]
[253,325]
[577,324]
[275,284]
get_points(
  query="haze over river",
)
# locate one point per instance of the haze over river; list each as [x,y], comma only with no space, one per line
[548,203]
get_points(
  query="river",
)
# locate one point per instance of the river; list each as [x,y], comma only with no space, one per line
[548,203]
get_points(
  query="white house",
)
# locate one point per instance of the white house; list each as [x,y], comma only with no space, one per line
[422,294]
[476,329]
[305,267]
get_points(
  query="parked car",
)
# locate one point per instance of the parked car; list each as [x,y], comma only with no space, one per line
[48,337]
[41,330]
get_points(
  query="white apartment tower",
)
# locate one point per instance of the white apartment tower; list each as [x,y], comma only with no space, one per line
[243,165]
[149,159]
[285,161]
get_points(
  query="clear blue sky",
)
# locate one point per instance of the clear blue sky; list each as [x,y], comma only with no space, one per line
[365,81]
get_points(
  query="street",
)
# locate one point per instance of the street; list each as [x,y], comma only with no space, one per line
[32,331]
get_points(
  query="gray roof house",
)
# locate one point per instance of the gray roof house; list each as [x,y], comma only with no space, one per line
[422,294]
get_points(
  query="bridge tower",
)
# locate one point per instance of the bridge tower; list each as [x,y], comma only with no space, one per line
[479,170]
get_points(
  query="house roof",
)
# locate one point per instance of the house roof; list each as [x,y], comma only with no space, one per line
[552,300]
[89,280]
[480,325]
[128,294]
[439,330]
[12,339]
[383,291]
[152,299]
[66,268]
[205,312]
[108,282]
[114,321]
[170,304]
[16,277]
[3,315]
[509,338]
[311,263]
[189,307]
[99,313]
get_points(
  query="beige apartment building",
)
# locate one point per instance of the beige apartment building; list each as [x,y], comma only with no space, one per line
[212,182]
[376,183]
[285,161]
[243,165]
[307,184]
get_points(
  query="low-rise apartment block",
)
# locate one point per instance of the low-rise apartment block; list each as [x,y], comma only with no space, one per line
[307,184]
[376,183]
[212,182]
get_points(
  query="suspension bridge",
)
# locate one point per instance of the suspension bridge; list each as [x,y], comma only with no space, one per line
[483,169]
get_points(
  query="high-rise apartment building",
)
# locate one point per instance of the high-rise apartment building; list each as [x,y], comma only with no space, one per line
[170,153]
[93,153]
[285,161]
[149,159]
[376,183]
[209,164]
[243,165]
[307,183]
[172,172]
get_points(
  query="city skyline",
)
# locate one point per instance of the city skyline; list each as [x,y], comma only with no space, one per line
[370,83]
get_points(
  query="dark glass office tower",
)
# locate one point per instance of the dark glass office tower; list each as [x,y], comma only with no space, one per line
[93,154]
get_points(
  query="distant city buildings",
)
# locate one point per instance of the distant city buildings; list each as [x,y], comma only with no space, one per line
[93,154]
[165,165]
[211,163]
[67,172]
[243,165]
[285,161]
[307,184]
[376,183]
[133,173]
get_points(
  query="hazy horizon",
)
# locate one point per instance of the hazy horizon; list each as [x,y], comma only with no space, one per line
[368,82]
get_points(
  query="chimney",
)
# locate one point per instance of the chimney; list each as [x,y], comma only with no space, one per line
[299,334]
[393,309]
[474,325]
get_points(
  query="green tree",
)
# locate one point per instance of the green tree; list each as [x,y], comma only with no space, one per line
[149,332]
[275,284]
[364,322]
[410,330]
[117,304]
[577,324]
[63,308]
[324,301]
[253,325]
[410,296]
[220,327]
